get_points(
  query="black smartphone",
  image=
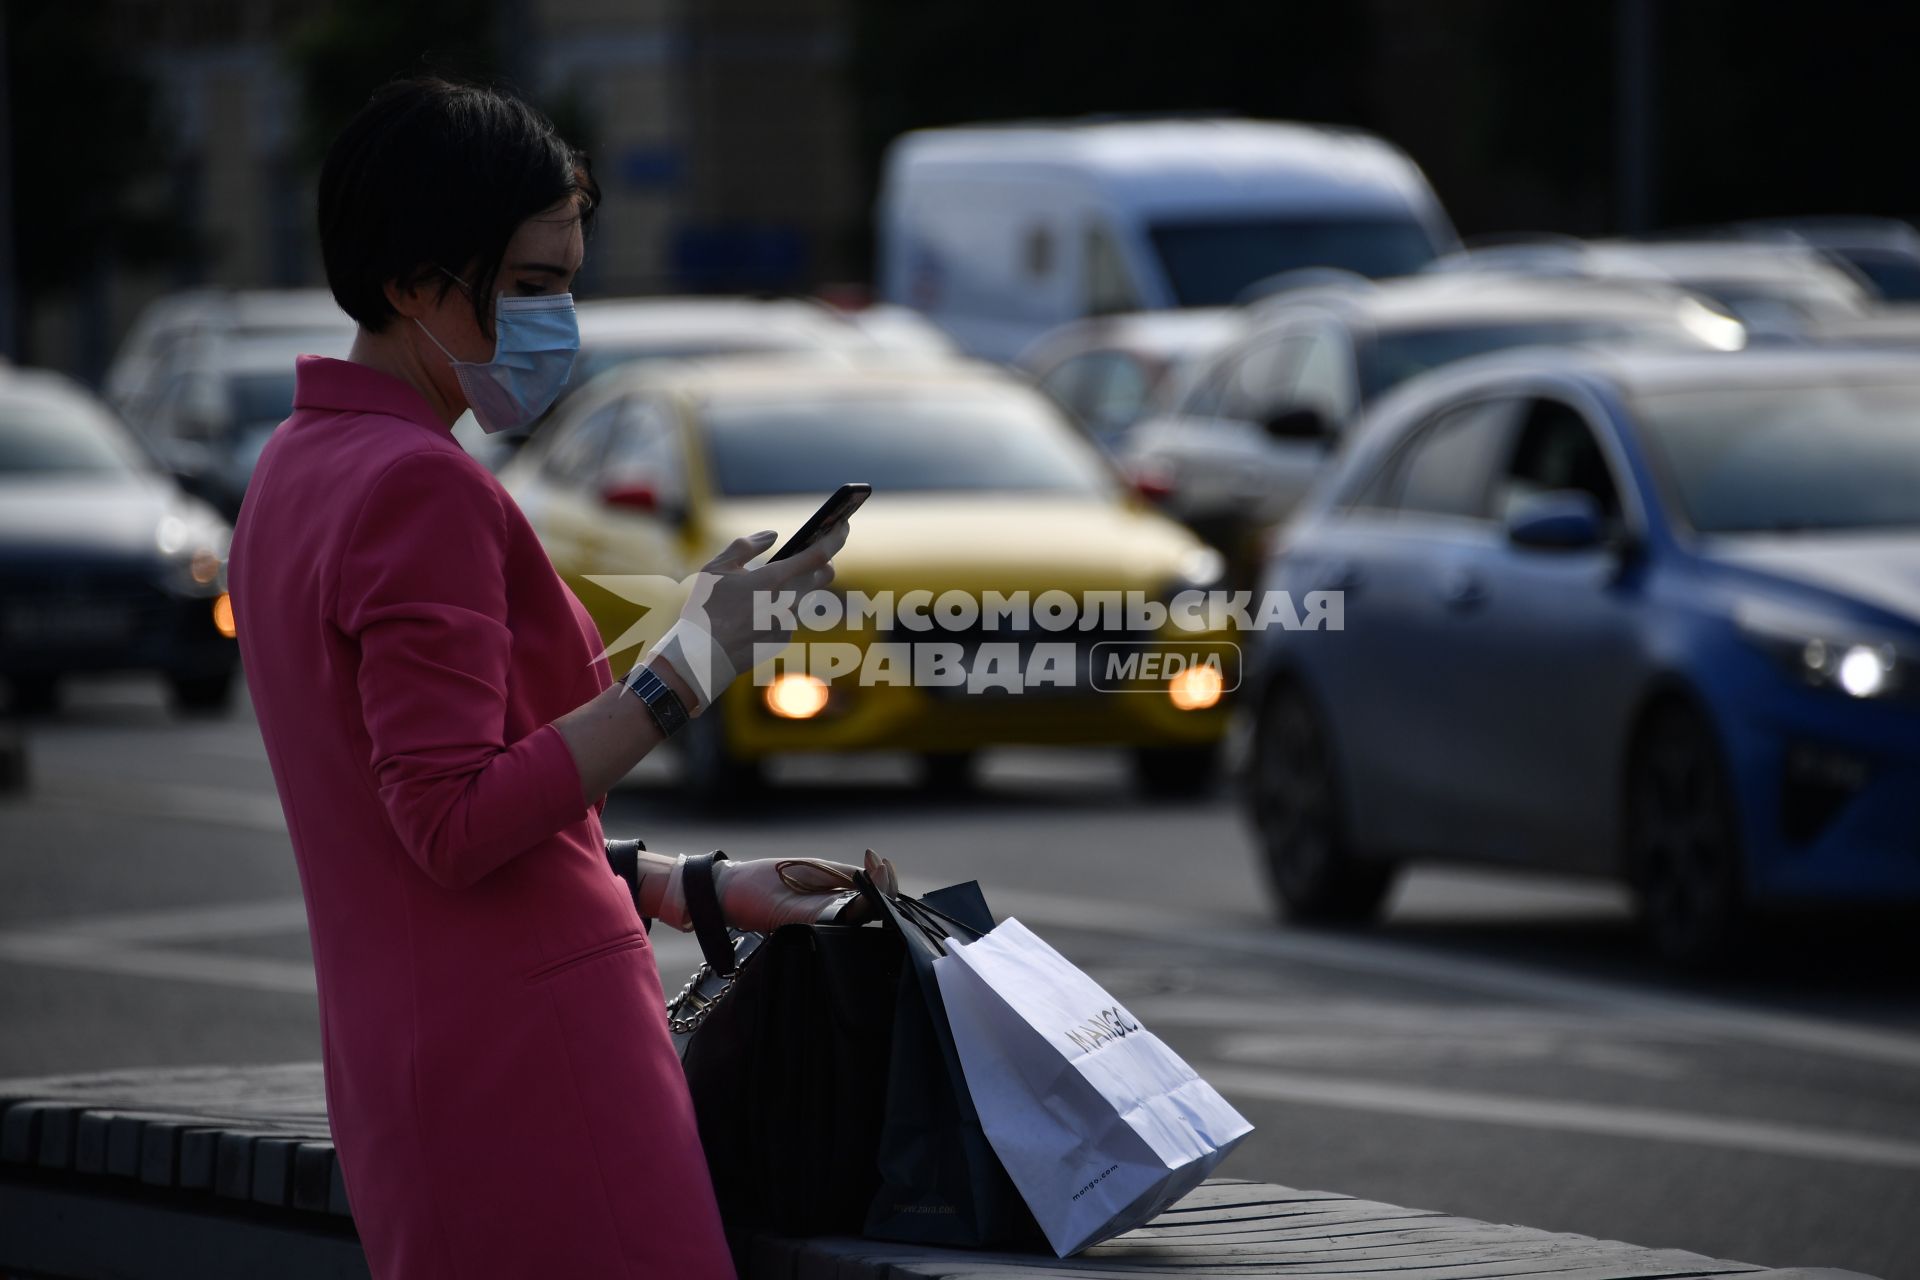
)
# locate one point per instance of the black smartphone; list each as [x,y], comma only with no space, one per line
[845,501]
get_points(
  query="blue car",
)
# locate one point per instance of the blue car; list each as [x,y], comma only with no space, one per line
[1654,617]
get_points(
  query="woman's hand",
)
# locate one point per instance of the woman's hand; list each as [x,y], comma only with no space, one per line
[715,638]
[765,894]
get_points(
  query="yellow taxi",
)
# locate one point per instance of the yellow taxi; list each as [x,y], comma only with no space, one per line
[983,491]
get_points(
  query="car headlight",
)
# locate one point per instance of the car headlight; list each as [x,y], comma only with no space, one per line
[193,545]
[1712,326]
[1201,570]
[1826,652]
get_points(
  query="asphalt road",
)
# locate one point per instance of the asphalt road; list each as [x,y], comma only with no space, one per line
[1499,1049]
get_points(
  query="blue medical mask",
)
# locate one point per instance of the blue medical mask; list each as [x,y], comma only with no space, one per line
[535,341]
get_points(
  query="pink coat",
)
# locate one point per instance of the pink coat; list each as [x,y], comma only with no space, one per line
[504,1095]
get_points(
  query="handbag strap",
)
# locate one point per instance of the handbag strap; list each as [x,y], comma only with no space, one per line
[703,907]
[623,856]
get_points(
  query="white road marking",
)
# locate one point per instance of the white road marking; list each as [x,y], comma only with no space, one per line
[246,808]
[1410,962]
[68,951]
[227,920]
[1606,1119]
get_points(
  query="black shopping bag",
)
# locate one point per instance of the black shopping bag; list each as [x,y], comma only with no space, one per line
[829,1094]
[940,1181]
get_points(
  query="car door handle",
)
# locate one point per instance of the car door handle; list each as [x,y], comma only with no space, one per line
[1463,590]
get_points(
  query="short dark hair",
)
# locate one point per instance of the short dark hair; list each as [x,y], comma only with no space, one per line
[431,178]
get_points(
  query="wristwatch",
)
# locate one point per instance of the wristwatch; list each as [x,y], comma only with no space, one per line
[663,704]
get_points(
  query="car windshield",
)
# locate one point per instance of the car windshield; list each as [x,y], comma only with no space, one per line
[1894,276]
[1393,356]
[63,433]
[1783,459]
[1210,263]
[926,441]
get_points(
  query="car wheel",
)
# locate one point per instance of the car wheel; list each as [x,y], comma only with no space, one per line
[33,695]
[714,776]
[1683,843]
[1294,798]
[1177,772]
[202,695]
[949,772]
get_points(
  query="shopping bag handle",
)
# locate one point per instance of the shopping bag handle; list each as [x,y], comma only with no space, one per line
[913,919]
[933,916]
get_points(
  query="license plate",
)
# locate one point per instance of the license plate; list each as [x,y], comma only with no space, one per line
[77,622]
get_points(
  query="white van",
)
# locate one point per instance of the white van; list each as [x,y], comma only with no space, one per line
[999,233]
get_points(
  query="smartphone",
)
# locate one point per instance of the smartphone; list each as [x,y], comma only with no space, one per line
[845,501]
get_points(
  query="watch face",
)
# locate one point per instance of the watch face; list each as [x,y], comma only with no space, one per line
[668,712]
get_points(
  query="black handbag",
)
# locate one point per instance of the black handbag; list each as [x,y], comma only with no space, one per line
[828,1093]
[785,1040]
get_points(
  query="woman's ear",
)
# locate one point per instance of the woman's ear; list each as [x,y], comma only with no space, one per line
[411,299]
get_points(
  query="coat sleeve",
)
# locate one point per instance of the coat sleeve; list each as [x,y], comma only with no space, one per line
[422,591]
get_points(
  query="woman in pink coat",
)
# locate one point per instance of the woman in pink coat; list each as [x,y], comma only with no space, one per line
[504,1095]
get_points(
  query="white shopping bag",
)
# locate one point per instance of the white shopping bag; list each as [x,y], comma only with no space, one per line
[1100,1125]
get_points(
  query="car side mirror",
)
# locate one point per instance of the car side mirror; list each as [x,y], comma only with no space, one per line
[1563,520]
[1299,422]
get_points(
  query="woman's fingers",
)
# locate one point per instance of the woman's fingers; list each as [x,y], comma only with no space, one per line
[795,568]
[742,549]
[880,871]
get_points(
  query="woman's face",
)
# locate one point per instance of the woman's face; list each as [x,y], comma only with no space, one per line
[543,257]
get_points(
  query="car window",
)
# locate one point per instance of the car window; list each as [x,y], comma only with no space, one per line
[1895,275]
[1260,380]
[576,456]
[1204,398]
[1116,392]
[1209,262]
[1446,467]
[1106,390]
[1323,374]
[1067,381]
[1788,459]
[1377,493]
[1394,356]
[260,398]
[1555,450]
[646,447]
[1109,290]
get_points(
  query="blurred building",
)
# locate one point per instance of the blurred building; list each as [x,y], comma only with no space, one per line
[721,134]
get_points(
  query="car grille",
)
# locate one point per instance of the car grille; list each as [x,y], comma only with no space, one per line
[66,604]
